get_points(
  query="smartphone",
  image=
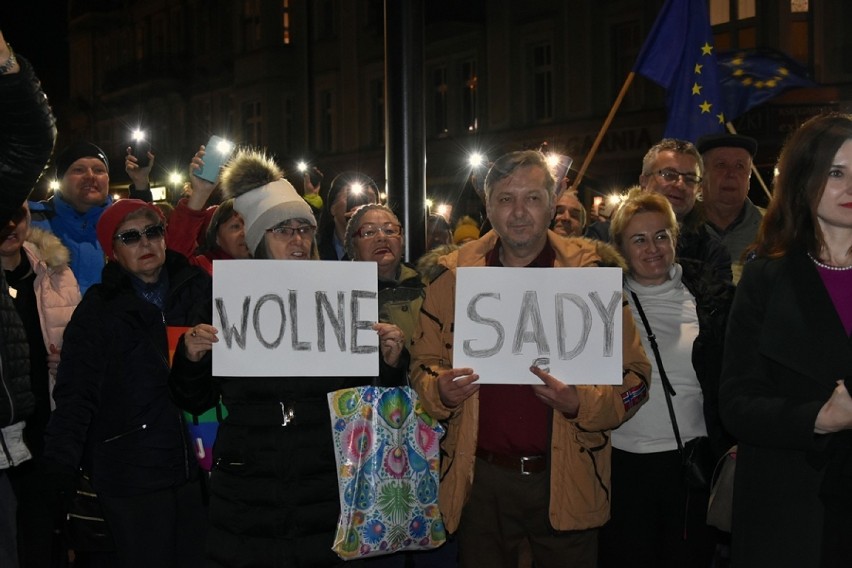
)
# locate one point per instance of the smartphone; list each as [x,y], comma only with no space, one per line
[140,148]
[366,196]
[216,154]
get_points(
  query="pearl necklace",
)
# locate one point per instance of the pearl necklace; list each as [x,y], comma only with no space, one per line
[828,266]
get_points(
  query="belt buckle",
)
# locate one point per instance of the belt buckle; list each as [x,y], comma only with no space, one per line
[525,460]
[287,414]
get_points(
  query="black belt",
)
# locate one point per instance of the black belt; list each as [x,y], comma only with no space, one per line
[525,465]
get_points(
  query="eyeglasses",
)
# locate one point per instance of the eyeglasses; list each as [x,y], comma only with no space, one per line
[288,232]
[370,231]
[133,236]
[671,176]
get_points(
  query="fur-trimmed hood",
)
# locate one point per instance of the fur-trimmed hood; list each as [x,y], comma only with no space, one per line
[46,247]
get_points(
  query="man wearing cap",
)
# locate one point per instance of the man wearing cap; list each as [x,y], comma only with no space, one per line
[731,215]
[674,169]
[73,212]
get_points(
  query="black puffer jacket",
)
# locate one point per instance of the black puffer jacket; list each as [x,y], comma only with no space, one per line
[16,398]
[113,411]
[26,137]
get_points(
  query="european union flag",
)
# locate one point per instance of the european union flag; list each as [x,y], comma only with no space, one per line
[749,77]
[679,56]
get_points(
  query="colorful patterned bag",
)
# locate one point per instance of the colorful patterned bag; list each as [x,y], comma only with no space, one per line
[388,451]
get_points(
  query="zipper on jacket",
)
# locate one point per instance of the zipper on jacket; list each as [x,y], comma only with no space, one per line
[129,432]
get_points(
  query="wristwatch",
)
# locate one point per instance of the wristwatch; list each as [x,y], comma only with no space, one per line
[6,67]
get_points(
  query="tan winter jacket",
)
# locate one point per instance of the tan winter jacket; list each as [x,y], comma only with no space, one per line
[579,448]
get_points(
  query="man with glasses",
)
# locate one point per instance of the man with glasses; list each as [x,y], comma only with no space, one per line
[73,212]
[674,168]
[731,215]
[520,463]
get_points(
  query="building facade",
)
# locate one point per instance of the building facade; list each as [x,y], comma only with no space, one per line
[305,79]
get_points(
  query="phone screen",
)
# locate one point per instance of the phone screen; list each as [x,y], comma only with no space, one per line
[216,154]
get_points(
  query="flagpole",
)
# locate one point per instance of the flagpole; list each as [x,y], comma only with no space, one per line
[732,130]
[603,129]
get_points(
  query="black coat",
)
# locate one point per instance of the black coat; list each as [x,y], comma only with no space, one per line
[26,137]
[713,298]
[114,415]
[273,489]
[784,350]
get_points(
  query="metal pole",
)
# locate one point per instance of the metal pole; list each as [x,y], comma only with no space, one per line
[405,142]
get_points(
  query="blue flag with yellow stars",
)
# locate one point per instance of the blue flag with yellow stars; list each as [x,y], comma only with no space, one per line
[679,56]
[749,77]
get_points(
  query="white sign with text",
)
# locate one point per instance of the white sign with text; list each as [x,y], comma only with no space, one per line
[286,318]
[564,320]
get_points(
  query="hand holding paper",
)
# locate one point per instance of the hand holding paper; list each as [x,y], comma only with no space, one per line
[454,387]
[556,394]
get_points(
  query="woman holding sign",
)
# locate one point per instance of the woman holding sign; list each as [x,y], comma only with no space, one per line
[114,418]
[274,499]
[680,308]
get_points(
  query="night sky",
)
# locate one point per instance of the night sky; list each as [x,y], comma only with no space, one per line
[38,30]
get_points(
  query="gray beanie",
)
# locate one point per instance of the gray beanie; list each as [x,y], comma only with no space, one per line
[261,194]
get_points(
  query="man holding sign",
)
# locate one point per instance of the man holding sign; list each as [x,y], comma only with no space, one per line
[523,462]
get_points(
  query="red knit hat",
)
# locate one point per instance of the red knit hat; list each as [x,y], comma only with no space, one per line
[114,215]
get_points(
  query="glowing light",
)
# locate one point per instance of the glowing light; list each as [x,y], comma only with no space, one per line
[428,203]
[613,199]
[139,135]
[476,159]
[115,197]
[54,185]
[552,160]
[442,209]
[175,178]
[224,146]
[356,188]
[302,166]
[383,197]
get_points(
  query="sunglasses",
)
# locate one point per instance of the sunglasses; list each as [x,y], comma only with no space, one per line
[133,236]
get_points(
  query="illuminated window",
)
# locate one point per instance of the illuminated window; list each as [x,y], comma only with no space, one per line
[285,22]
[798,6]
[733,24]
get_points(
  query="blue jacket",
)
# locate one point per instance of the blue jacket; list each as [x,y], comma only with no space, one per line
[77,232]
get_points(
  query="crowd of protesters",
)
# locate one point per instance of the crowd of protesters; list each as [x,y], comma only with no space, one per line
[736,327]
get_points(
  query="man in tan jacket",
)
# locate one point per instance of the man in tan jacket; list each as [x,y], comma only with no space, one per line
[522,463]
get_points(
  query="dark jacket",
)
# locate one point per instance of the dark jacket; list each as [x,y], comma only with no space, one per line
[713,298]
[273,489]
[695,242]
[16,397]
[784,351]
[113,412]
[26,137]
